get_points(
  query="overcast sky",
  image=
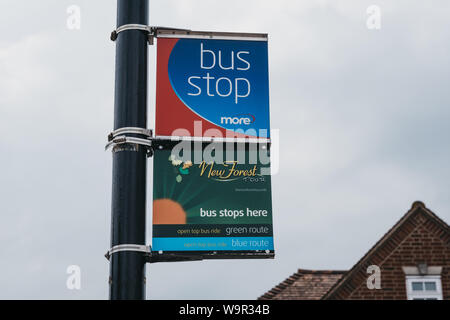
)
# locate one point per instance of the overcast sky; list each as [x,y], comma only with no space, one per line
[364,131]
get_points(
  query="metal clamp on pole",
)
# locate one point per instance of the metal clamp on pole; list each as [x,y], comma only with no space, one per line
[152,32]
[130,130]
[120,136]
[141,27]
[128,247]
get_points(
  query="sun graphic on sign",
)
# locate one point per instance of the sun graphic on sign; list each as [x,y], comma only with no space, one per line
[167,211]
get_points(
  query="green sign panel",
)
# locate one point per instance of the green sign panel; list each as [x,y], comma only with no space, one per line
[212,208]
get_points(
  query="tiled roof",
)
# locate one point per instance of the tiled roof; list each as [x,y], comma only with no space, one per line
[304,285]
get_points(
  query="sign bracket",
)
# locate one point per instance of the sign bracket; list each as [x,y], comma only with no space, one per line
[156,256]
[122,136]
[151,31]
[170,32]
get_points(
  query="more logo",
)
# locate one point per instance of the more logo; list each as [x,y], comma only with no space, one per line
[246,119]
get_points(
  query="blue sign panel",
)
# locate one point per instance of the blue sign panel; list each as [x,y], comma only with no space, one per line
[222,82]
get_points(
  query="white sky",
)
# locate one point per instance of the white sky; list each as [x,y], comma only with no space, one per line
[363,117]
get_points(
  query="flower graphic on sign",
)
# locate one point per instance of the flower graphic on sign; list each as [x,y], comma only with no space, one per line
[181,168]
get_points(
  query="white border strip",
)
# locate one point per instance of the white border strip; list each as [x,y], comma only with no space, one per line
[173,34]
[214,139]
[213,37]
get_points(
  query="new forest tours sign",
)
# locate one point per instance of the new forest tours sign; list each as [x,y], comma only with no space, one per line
[211,207]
